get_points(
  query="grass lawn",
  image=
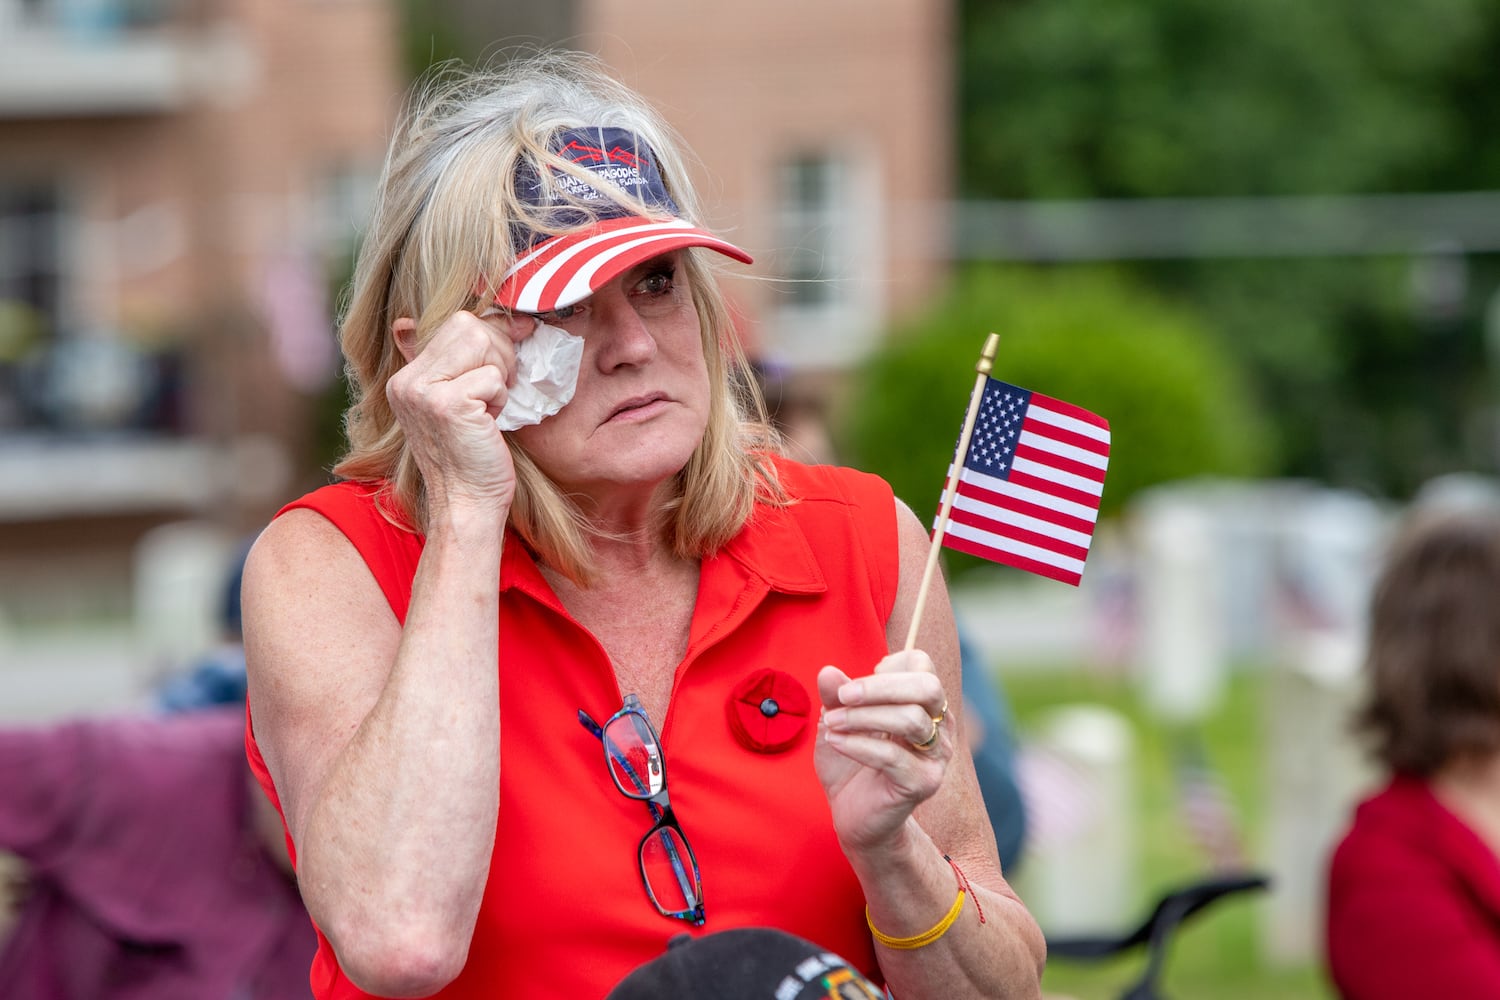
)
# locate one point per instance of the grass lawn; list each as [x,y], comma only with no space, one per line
[1217,955]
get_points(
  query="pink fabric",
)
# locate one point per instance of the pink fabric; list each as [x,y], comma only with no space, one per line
[1413,902]
[148,881]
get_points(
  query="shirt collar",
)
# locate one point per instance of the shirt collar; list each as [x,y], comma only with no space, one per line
[771,546]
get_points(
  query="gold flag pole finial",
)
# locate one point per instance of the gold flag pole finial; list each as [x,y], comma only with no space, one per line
[987,354]
[985,364]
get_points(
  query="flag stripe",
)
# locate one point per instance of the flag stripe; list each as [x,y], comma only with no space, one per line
[1011,493]
[959,543]
[1040,477]
[1042,522]
[1019,547]
[1006,498]
[1026,450]
[1020,527]
[1074,418]
[1077,446]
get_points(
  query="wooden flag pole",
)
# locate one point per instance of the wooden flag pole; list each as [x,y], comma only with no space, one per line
[983,367]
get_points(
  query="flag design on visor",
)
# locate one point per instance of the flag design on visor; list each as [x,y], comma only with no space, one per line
[553,272]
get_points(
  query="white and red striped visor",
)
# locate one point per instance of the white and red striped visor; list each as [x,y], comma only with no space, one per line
[567,269]
[559,271]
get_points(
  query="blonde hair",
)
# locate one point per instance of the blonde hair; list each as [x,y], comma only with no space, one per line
[440,234]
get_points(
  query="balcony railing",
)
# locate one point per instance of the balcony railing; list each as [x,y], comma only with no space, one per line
[45,477]
[67,58]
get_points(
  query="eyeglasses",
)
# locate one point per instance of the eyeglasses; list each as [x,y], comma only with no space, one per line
[632,753]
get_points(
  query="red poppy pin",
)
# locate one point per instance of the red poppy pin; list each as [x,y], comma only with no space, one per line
[768,711]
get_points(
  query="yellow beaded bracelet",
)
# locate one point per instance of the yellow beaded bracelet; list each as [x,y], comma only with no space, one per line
[938,929]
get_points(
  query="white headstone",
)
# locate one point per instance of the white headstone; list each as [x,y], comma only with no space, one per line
[1182,647]
[1077,774]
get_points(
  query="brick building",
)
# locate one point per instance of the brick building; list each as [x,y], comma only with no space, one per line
[826,133]
[181,185]
[177,181]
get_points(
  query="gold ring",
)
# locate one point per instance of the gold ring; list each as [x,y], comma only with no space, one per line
[942,713]
[931,740]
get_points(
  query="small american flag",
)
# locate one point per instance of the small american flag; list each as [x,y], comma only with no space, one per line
[1029,488]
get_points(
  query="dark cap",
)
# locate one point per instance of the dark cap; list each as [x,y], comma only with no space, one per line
[747,963]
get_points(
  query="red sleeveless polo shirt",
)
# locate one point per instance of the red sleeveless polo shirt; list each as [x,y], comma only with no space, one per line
[564,913]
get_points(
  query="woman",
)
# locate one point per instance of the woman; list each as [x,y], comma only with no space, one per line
[1414,886]
[664,578]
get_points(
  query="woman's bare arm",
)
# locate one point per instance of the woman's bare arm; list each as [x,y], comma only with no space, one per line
[908,885]
[383,742]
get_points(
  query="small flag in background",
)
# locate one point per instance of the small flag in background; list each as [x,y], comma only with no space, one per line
[1029,487]
[1207,809]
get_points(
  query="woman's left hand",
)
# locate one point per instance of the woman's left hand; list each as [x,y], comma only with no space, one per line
[869,755]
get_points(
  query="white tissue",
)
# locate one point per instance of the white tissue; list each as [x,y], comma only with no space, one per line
[547,365]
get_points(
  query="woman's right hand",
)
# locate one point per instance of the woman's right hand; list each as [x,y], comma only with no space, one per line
[446,400]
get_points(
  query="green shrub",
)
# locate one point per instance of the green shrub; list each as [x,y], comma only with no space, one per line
[1176,406]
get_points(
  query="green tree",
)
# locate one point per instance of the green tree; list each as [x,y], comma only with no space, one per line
[1089,98]
[1176,406]
[1165,98]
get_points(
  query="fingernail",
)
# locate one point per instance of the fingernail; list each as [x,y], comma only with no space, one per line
[835,718]
[852,693]
[833,737]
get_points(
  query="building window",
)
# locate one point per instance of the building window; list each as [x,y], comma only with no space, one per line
[810,230]
[830,259]
[342,196]
[59,370]
[31,286]
[30,249]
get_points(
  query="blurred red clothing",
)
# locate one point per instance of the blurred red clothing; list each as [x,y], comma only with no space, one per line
[1413,902]
[146,877]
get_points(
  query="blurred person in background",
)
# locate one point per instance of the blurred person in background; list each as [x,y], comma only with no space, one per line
[990,735]
[152,865]
[1414,885]
[217,677]
[472,659]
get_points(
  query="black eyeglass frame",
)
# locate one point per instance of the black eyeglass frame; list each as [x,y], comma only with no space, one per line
[661,811]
